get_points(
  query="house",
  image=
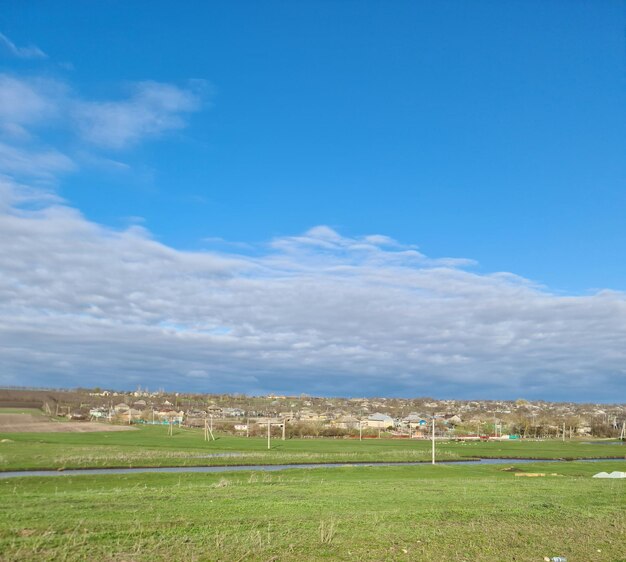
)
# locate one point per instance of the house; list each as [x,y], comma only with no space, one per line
[170,415]
[233,412]
[379,421]
[346,422]
[414,420]
[452,420]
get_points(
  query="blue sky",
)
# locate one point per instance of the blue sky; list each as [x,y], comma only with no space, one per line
[491,132]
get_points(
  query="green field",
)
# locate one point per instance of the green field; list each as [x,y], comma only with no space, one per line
[32,411]
[454,512]
[471,513]
[151,446]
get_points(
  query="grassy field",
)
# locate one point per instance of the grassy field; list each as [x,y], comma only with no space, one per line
[151,446]
[31,411]
[460,512]
[470,513]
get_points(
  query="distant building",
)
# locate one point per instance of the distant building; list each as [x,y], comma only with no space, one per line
[379,421]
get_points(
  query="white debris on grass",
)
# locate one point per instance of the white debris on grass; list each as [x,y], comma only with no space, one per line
[615,474]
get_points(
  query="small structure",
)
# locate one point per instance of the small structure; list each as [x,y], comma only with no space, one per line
[98,413]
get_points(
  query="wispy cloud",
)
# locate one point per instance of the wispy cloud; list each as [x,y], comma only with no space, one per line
[152,109]
[29,101]
[81,304]
[30,52]
[46,164]
[33,107]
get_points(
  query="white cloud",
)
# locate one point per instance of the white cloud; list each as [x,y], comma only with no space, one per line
[36,164]
[84,304]
[29,101]
[152,109]
[319,312]
[31,108]
[30,52]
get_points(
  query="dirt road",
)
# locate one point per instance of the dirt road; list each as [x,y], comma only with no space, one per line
[29,423]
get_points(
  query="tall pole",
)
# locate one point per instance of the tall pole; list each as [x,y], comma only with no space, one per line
[269,445]
[433,439]
[360,425]
[563,432]
[284,425]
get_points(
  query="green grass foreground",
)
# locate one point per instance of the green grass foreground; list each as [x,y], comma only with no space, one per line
[441,513]
[151,446]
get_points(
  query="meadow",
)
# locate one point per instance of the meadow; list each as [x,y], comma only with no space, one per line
[150,446]
[430,513]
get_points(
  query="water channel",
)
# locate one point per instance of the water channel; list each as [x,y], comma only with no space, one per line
[276,467]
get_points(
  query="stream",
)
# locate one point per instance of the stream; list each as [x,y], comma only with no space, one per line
[276,467]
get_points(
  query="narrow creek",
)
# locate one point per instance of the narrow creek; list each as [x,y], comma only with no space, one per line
[277,467]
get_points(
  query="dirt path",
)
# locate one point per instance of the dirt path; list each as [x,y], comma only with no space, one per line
[28,423]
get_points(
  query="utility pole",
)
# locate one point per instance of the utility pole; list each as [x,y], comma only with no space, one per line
[269,445]
[360,425]
[284,426]
[563,432]
[208,430]
[433,439]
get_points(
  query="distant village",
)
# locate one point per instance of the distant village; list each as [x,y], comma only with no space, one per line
[309,416]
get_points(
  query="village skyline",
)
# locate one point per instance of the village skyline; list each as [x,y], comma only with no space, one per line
[327,416]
